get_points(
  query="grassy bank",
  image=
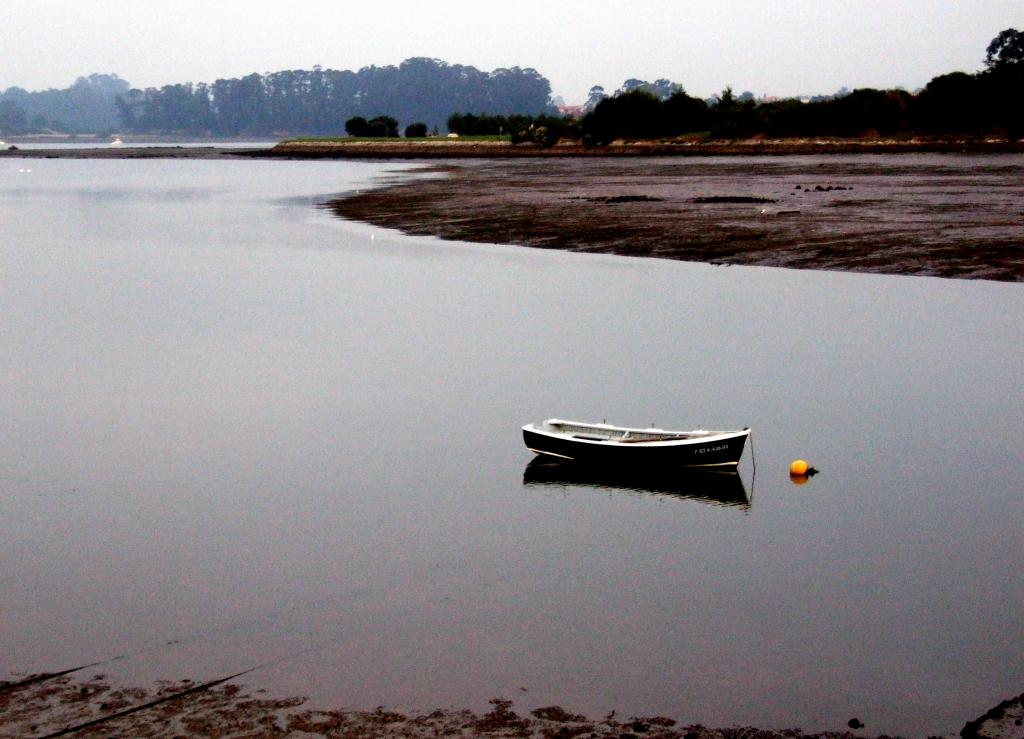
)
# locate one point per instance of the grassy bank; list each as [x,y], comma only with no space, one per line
[492,147]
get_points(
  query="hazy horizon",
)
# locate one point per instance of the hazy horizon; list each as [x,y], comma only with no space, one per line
[800,48]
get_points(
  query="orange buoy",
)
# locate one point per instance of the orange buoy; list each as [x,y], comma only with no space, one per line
[798,467]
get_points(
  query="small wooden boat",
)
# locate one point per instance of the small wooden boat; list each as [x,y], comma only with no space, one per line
[602,443]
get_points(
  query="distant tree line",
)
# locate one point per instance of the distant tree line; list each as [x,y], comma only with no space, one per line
[426,94]
[322,101]
[989,101]
[88,106]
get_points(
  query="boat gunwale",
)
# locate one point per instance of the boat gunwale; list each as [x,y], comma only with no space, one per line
[703,437]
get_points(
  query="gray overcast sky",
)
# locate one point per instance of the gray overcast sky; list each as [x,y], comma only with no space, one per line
[777,48]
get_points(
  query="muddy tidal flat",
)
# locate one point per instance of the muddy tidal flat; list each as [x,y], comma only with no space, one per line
[959,216]
[61,705]
[937,209]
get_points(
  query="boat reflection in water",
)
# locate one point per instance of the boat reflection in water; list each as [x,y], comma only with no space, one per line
[717,487]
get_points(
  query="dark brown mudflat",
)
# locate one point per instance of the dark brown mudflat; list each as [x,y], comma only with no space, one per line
[939,215]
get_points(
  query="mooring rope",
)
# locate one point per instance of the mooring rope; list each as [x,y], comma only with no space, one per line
[753,460]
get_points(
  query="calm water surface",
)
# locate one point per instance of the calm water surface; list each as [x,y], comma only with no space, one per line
[236,432]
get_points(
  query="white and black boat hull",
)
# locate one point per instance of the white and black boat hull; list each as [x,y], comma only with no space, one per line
[716,451]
